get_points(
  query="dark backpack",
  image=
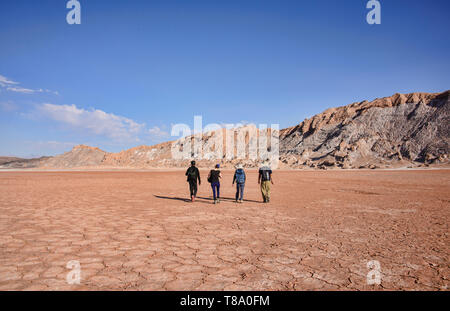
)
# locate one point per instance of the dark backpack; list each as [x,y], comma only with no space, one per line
[209,177]
[214,176]
[240,176]
[192,173]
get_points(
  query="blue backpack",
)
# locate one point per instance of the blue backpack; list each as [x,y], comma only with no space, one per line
[240,176]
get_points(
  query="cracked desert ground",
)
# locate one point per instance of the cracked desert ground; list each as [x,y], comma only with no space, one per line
[133,230]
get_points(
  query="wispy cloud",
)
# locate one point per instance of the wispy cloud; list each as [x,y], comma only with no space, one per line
[5,81]
[156,132]
[20,90]
[30,91]
[12,86]
[94,121]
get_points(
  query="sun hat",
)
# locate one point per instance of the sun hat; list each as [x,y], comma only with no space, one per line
[266,163]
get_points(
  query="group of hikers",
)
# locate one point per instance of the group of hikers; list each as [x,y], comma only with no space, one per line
[264,180]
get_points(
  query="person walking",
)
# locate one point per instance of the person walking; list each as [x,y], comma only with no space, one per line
[265,179]
[193,174]
[214,178]
[239,178]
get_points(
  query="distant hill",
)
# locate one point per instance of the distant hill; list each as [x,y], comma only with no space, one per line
[400,130]
[13,162]
[4,160]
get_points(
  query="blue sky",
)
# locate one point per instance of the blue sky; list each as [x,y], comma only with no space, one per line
[134,68]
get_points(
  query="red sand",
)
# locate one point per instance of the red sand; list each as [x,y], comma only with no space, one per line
[133,230]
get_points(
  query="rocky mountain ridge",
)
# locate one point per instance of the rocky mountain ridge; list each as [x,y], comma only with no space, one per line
[400,130]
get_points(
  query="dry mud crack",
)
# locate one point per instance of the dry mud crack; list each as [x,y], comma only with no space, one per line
[136,231]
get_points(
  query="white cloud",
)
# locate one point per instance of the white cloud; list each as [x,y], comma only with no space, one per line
[48,91]
[20,90]
[5,81]
[157,132]
[94,121]
[9,85]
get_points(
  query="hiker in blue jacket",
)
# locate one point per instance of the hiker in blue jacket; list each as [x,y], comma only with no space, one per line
[239,178]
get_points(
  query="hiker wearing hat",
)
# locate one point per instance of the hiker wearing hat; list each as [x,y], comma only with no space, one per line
[239,178]
[193,174]
[214,178]
[265,179]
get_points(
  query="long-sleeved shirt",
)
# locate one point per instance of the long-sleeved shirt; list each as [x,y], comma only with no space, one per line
[193,174]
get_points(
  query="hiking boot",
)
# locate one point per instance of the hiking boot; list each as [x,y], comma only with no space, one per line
[215,201]
[218,200]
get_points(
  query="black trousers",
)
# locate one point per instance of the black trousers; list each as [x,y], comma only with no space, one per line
[193,187]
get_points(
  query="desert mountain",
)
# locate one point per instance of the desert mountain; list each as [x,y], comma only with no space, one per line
[4,160]
[400,130]
[411,128]
[13,162]
[79,156]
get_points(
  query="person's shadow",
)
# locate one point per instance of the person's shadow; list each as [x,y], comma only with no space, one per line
[229,199]
[172,198]
[203,198]
[177,198]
